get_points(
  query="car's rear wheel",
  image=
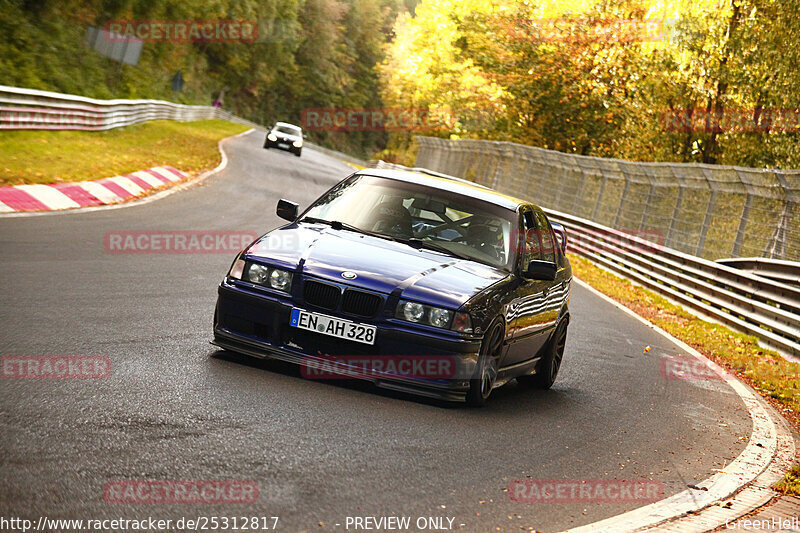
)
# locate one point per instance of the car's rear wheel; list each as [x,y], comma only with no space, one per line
[482,382]
[548,368]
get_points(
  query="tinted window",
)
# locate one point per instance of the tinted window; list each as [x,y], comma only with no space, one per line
[287,130]
[546,237]
[533,246]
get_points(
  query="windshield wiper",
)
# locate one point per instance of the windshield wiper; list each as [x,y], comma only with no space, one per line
[432,245]
[337,225]
[413,241]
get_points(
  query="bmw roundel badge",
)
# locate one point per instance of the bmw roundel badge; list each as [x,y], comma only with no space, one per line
[349,275]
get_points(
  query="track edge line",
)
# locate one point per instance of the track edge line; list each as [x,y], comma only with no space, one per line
[759,470]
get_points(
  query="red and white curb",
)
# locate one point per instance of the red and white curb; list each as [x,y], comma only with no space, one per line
[57,196]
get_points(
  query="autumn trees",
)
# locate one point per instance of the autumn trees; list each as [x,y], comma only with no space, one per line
[705,81]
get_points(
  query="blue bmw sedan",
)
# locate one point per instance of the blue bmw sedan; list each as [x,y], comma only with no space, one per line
[417,282]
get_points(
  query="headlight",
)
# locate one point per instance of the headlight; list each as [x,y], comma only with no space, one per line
[298,144]
[257,274]
[280,280]
[274,278]
[272,137]
[413,312]
[432,316]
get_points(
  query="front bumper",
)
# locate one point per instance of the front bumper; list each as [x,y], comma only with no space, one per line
[257,324]
[288,146]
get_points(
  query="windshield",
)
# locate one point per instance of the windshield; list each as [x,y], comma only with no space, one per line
[287,130]
[422,216]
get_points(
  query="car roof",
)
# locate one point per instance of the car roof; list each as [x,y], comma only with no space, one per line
[287,124]
[447,183]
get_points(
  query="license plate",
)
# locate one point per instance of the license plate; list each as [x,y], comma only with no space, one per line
[333,327]
[283,145]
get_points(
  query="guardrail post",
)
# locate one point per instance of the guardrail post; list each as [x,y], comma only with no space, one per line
[462,163]
[435,158]
[526,177]
[599,199]
[472,161]
[622,198]
[560,185]
[669,240]
[507,168]
[481,162]
[748,202]
[450,156]
[777,246]
[579,189]
[650,195]
[701,242]
[422,148]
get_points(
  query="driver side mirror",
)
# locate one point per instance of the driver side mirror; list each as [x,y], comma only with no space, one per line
[540,270]
[287,210]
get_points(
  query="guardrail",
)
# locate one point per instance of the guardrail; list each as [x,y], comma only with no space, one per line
[783,271]
[33,109]
[710,211]
[762,307]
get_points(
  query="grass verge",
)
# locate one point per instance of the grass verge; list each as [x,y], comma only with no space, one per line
[775,378]
[791,482]
[68,155]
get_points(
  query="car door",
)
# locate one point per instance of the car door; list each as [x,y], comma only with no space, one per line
[528,311]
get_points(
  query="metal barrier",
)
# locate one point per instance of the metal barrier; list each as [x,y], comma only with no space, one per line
[783,271]
[710,211]
[30,109]
[22,109]
[762,307]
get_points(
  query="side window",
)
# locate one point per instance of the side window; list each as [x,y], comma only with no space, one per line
[533,246]
[546,234]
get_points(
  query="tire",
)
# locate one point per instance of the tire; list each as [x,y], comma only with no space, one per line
[547,370]
[297,153]
[481,384]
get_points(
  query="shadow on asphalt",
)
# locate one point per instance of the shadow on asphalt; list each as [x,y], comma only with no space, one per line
[510,397]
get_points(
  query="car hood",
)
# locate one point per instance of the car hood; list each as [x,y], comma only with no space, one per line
[380,265]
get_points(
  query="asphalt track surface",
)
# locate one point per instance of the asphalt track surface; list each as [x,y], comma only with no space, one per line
[174,408]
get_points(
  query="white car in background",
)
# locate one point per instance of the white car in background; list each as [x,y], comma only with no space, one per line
[285,136]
